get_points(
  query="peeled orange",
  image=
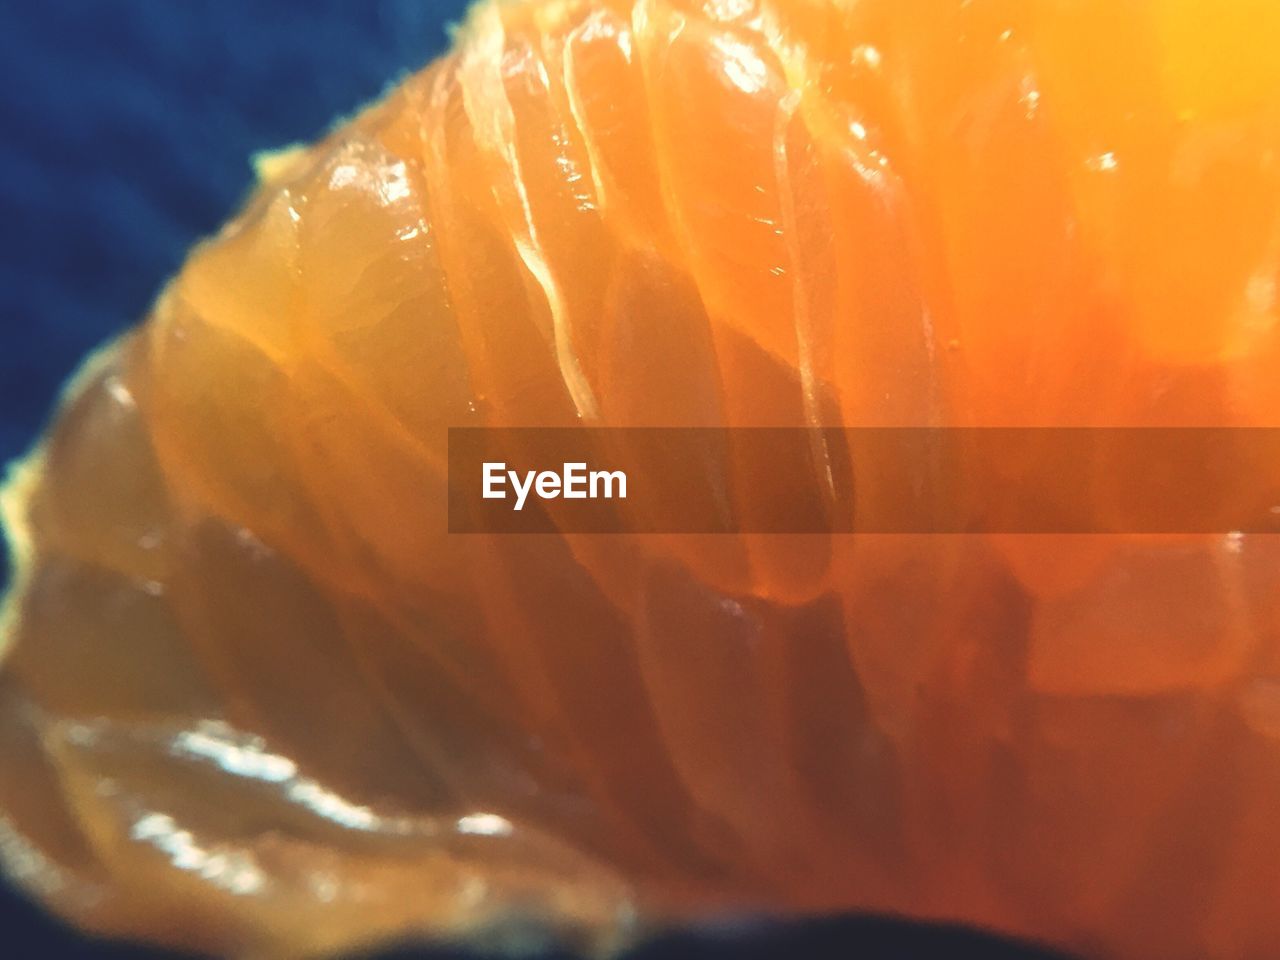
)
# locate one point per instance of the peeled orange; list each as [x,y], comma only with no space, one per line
[256,699]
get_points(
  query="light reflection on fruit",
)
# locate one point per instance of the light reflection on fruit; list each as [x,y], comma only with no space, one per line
[255,699]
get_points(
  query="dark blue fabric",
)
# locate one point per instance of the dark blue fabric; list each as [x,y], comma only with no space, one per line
[126,128]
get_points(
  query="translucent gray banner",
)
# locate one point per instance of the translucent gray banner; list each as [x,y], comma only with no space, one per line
[873,480]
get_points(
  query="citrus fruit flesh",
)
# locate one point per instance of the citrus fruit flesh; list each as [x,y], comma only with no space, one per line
[256,700]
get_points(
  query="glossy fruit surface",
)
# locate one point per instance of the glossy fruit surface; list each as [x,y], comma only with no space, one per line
[256,699]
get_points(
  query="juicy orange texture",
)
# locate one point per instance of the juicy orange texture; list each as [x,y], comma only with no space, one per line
[256,700]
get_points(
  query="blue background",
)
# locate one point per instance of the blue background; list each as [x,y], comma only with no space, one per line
[126,128]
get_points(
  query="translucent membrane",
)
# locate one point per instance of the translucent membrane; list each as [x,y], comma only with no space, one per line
[256,699]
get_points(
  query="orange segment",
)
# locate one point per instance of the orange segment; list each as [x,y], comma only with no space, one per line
[255,698]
